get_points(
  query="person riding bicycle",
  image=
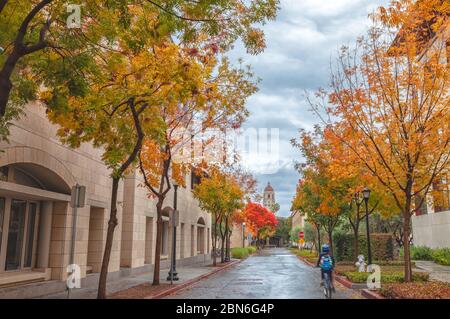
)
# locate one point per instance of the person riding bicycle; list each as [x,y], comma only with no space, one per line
[326,264]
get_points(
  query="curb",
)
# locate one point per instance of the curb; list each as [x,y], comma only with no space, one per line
[306,261]
[371,294]
[343,281]
[193,281]
[348,284]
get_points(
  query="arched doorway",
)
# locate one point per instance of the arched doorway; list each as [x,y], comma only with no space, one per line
[28,192]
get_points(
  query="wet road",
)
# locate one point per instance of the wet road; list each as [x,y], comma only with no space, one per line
[274,274]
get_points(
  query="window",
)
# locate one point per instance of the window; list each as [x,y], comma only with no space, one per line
[165,239]
[15,235]
[441,195]
[30,235]
[4,173]
[421,205]
[195,180]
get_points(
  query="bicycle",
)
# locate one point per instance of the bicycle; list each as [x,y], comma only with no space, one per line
[327,286]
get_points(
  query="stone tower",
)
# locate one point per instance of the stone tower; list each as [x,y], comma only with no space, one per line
[269,196]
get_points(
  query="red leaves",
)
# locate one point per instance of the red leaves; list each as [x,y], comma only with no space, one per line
[425,290]
[257,217]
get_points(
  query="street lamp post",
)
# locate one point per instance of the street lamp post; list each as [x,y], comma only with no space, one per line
[243,235]
[366,195]
[173,275]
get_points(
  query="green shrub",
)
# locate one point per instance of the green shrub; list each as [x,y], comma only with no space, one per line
[421,253]
[441,256]
[382,246]
[304,253]
[393,263]
[239,253]
[251,249]
[386,276]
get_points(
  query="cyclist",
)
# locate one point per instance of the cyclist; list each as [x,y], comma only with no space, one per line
[326,264]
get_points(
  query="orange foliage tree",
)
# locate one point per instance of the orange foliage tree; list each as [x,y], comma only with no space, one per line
[388,106]
[259,221]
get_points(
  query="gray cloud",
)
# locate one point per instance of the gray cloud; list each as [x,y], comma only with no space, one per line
[300,45]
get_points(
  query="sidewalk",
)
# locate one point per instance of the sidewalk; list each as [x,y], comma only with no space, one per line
[437,272]
[187,275]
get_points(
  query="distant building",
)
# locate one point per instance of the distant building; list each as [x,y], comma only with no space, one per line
[269,196]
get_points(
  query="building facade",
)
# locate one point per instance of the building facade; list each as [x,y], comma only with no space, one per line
[431,223]
[37,174]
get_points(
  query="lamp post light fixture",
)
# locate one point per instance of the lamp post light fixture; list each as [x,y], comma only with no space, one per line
[243,235]
[173,275]
[366,195]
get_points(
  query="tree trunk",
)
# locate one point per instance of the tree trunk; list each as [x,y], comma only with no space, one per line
[330,240]
[356,239]
[228,246]
[319,247]
[112,223]
[222,250]
[406,233]
[5,80]
[214,239]
[159,226]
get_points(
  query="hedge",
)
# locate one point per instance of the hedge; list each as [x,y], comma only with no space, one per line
[386,277]
[239,252]
[440,255]
[393,263]
[382,246]
[305,253]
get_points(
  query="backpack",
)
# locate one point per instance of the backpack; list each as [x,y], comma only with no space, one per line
[326,263]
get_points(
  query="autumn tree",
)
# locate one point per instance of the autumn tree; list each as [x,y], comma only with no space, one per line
[221,196]
[32,31]
[388,104]
[260,221]
[121,107]
[320,196]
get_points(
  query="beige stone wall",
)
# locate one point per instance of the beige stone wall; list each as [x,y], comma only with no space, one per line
[33,140]
[236,237]
[297,220]
[432,230]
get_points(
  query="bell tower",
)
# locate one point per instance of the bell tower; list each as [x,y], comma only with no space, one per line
[269,196]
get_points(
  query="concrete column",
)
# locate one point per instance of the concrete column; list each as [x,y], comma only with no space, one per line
[45,231]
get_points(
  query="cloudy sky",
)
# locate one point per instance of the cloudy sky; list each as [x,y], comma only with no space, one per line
[300,43]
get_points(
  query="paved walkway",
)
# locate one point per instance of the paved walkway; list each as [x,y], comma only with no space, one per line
[184,273]
[437,272]
[273,274]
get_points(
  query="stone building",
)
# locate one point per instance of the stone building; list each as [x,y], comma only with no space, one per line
[37,174]
[431,223]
